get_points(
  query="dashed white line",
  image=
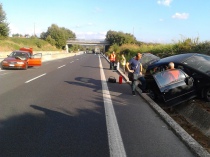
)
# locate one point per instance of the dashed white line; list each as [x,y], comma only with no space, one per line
[3,72]
[116,146]
[35,78]
[72,62]
[61,66]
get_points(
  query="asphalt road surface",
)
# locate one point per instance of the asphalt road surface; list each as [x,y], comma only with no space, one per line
[66,108]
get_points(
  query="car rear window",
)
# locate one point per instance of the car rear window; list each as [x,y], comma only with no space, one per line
[199,62]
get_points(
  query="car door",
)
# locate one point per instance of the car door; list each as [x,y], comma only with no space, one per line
[35,60]
[175,89]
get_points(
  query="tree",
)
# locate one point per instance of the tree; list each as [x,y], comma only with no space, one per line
[58,34]
[4,26]
[16,35]
[50,40]
[68,33]
[120,38]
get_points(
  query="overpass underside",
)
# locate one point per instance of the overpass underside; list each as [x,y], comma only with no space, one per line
[87,43]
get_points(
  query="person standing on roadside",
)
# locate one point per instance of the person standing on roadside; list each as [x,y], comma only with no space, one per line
[134,67]
[123,62]
[112,60]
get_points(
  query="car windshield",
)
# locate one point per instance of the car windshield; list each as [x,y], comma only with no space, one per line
[167,77]
[148,59]
[200,62]
[21,55]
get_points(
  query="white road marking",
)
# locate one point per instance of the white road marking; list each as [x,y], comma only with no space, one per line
[116,146]
[61,66]
[72,62]
[35,78]
[3,72]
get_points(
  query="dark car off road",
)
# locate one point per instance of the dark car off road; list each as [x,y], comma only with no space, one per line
[193,77]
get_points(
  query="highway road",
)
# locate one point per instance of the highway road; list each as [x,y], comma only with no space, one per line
[66,108]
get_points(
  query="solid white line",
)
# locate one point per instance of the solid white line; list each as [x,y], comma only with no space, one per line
[61,66]
[35,78]
[116,146]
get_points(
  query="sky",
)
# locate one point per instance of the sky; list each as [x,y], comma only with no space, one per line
[162,21]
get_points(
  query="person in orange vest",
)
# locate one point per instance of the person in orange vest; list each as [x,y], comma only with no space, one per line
[112,60]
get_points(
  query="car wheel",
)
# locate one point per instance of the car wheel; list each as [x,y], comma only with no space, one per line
[152,94]
[207,94]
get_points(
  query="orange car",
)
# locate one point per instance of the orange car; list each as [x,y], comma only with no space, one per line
[21,59]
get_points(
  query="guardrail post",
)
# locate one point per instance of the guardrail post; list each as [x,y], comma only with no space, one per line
[118,65]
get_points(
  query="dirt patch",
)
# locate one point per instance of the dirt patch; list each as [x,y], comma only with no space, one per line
[202,139]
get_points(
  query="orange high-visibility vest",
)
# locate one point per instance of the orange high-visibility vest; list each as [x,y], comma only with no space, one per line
[112,57]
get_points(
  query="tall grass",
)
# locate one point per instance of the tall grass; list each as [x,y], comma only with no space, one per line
[11,44]
[163,50]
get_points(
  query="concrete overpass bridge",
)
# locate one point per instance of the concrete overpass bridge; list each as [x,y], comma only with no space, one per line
[86,43]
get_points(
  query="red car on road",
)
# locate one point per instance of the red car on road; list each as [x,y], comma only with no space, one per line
[22,59]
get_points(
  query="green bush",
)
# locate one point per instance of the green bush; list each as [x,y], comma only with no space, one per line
[38,44]
[162,50]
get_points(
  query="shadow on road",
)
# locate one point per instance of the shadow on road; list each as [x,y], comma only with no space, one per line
[54,134]
[87,82]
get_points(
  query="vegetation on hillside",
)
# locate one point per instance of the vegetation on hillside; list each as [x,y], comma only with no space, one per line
[11,43]
[130,47]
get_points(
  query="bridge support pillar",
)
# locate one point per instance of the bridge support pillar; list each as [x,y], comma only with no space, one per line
[67,49]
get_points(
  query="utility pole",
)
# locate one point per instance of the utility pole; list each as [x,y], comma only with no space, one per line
[34,29]
[133,32]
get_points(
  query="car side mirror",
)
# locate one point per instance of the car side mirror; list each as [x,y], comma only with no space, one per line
[189,81]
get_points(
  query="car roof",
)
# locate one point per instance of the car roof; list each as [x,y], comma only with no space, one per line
[180,58]
[177,58]
[21,51]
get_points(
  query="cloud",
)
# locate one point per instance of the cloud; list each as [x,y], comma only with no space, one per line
[164,2]
[180,16]
[161,20]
